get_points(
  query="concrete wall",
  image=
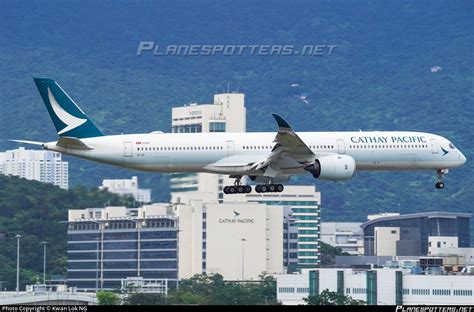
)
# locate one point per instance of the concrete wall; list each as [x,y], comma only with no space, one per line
[225,253]
[386,240]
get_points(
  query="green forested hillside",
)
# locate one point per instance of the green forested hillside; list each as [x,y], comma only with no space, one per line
[34,211]
[378,78]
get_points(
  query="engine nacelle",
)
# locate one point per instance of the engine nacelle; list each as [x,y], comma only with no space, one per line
[333,168]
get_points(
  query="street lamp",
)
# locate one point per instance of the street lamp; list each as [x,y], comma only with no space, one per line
[18,263]
[243,256]
[44,261]
[97,265]
[101,228]
[139,224]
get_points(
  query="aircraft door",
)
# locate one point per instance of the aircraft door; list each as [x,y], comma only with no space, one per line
[230,148]
[127,149]
[341,146]
[434,146]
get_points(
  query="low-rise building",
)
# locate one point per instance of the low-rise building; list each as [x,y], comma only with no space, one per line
[414,234]
[348,236]
[127,187]
[383,286]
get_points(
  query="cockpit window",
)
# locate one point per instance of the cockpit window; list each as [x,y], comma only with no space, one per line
[451,146]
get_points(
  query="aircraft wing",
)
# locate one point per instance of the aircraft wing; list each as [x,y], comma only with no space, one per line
[289,142]
[289,152]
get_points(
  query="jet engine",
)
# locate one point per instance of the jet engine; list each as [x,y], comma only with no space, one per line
[333,168]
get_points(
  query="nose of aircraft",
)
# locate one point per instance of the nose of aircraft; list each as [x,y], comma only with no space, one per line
[462,158]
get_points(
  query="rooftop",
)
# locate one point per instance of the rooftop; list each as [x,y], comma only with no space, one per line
[435,214]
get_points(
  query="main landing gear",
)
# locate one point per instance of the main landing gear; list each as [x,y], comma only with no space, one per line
[269,188]
[441,175]
[238,188]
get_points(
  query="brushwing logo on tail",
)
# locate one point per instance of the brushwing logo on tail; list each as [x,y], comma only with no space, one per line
[71,121]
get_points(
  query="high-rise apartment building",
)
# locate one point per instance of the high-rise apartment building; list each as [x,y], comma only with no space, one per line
[38,165]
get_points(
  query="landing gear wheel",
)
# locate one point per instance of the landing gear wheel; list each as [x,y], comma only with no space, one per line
[441,175]
[271,188]
[280,188]
[232,189]
[248,189]
[263,189]
[226,190]
[240,189]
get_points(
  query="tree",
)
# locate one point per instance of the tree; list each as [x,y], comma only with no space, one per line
[327,297]
[214,290]
[329,253]
[34,210]
[145,299]
[107,298]
[190,298]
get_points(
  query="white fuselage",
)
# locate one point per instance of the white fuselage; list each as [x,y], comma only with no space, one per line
[195,152]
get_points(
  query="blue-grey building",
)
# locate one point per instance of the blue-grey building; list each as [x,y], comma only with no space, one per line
[106,245]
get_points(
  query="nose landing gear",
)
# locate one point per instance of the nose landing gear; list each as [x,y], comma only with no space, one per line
[441,175]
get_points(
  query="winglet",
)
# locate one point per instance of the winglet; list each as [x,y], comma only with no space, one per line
[280,121]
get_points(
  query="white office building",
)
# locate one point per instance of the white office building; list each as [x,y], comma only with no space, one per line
[378,287]
[238,240]
[38,165]
[345,235]
[226,114]
[127,187]
[301,208]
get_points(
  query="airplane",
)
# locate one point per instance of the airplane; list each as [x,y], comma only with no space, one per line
[265,157]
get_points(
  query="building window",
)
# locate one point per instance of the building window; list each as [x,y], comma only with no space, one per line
[217,126]
[193,128]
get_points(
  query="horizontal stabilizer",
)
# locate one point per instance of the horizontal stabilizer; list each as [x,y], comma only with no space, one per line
[73,143]
[28,142]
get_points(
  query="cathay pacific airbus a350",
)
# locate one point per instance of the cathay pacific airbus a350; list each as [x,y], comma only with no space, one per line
[266,158]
